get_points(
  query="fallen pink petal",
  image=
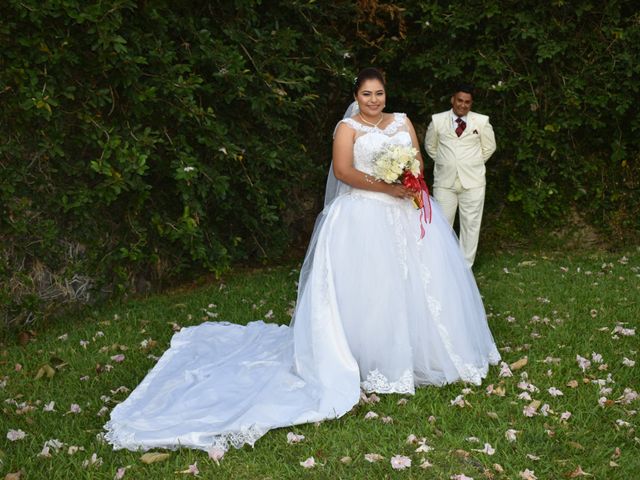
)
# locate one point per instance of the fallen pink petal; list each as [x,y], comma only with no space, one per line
[293,438]
[373,457]
[15,435]
[216,454]
[400,462]
[308,463]
[528,475]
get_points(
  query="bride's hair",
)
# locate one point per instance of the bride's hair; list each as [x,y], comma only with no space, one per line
[369,73]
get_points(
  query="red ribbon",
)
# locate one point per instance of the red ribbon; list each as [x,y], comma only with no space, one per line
[421,199]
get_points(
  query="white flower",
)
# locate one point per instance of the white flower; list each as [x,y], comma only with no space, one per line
[628,396]
[373,398]
[193,469]
[400,462]
[505,371]
[625,332]
[583,363]
[628,362]
[373,457]
[370,415]
[510,435]
[103,411]
[48,407]
[529,387]
[423,448]
[48,445]
[308,463]
[564,416]
[528,475]
[554,392]
[14,435]
[188,169]
[393,160]
[54,443]
[216,454]
[293,438]
[488,449]
[94,461]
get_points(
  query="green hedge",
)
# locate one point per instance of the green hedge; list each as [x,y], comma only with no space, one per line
[142,140]
[145,141]
[560,81]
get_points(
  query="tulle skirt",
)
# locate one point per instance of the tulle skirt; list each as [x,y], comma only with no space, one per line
[379,309]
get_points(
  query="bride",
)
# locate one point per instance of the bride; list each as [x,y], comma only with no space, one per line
[382,307]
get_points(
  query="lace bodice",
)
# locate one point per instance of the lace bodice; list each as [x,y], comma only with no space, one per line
[369,140]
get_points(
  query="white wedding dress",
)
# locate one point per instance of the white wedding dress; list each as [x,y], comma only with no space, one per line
[379,309]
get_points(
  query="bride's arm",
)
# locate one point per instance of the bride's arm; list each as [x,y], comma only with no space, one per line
[414,141]
[344,170]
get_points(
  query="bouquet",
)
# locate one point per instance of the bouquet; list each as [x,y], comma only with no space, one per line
[399,164]
[393,160]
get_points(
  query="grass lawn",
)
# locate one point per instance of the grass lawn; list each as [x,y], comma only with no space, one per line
[555,417]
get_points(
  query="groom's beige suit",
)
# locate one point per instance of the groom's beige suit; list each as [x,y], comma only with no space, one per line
[459,171]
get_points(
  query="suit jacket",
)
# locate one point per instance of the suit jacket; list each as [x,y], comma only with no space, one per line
[462,156]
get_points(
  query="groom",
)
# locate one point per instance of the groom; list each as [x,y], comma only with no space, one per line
[460,142]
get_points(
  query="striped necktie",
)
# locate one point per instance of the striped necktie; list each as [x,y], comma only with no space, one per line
[461,126]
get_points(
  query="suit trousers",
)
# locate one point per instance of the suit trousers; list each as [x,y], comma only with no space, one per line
[470,203]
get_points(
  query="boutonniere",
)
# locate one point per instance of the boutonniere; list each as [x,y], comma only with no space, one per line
[475,132]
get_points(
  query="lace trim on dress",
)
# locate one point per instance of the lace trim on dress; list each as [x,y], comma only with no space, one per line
[118,436]
[378,383]
[399,119]
[468,372]
[400,237]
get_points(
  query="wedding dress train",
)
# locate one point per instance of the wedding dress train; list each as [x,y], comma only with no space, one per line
[379,309]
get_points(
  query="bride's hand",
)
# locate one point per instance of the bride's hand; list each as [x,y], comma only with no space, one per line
[400,191]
